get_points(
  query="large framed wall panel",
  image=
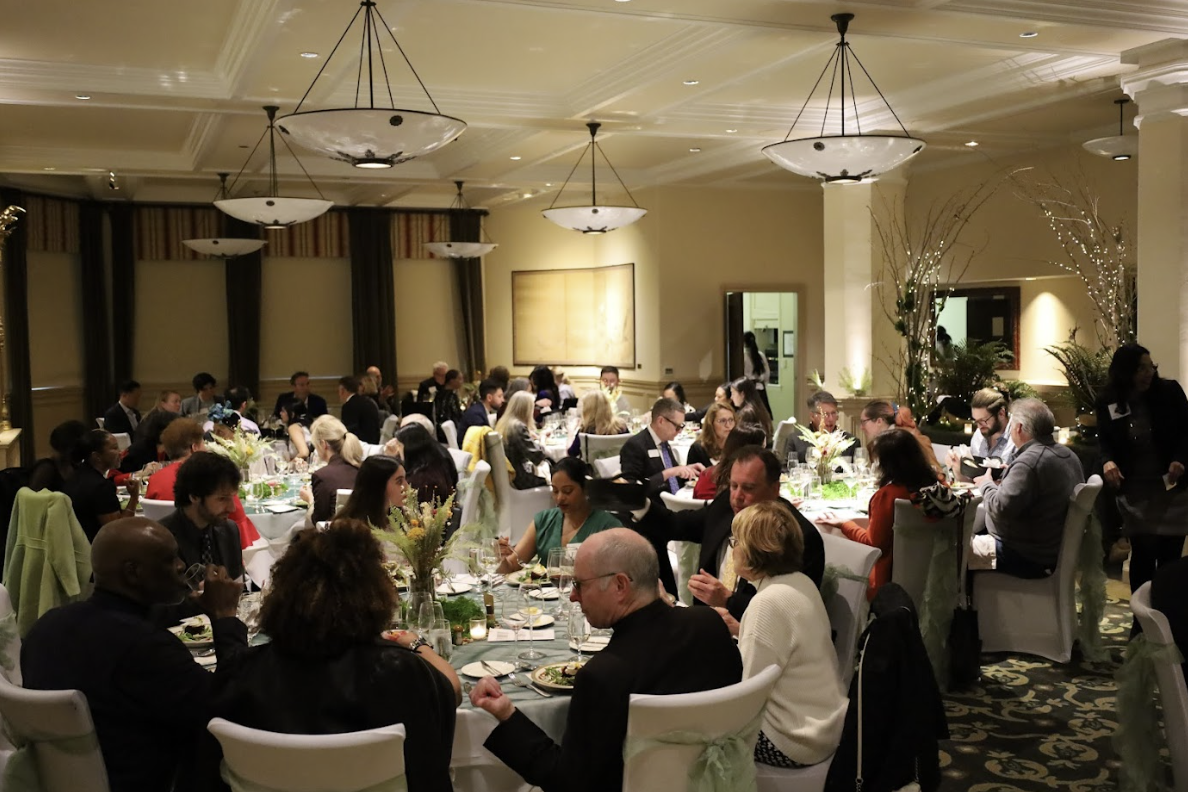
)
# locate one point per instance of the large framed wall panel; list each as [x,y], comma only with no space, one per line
[574,317]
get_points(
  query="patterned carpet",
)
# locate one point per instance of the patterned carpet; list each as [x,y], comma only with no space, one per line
[1032,724]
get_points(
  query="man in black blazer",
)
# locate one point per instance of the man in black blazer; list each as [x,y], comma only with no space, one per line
[123,416]
[148,698]
[359,413]
[648,457]
[754,478]
[655,649]
[479,413]
[315,405]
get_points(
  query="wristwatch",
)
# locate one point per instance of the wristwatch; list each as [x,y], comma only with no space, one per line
[417,644]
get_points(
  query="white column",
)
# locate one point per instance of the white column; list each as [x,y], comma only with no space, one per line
[1160,89]
[854,316]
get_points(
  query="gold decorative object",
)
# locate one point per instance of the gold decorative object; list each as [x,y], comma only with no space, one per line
[8,219]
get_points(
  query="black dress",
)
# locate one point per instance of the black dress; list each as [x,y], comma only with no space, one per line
[91,495]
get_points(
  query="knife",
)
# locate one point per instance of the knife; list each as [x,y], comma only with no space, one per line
[490,669]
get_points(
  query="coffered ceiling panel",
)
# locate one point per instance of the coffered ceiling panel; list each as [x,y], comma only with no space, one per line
[95,128]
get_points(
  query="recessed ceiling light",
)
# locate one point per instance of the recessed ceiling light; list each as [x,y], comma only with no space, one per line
[972,144]
[548,184]
[731,131]
[49,169]
[526,195]
[1028,34]
[517,158]
[1121,157]
[694,151]
[692,82]
[1029,279]
[84,97]
[309,54]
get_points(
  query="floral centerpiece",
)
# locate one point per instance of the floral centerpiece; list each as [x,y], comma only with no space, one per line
[242,448]
[829,446]
[418,531]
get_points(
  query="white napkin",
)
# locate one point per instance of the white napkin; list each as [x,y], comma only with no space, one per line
[502,635]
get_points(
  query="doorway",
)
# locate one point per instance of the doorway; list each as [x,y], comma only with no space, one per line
[772,316]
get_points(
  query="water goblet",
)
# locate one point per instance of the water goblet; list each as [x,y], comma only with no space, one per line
[579,630]
[532,610]
[489,561]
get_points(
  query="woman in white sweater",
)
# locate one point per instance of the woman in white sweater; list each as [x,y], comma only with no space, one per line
[786,625]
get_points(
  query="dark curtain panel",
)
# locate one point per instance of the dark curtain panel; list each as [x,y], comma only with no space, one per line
[468,273]
[373,318]
[123,291]
[16,327]
[244,283]
[98,389]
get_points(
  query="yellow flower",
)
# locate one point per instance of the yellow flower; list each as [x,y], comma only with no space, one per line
[416,534]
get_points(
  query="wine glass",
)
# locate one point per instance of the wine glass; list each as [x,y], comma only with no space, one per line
[513,618]
[531,611]
[489,561]
[427,615]
[579,630]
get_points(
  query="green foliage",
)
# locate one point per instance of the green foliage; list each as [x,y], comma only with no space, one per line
[1087,371]
[854,385]
[816,379]
[460,610]
[970,367]
[1017,389]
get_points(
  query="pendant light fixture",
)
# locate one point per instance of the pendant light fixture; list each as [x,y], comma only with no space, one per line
[461,249]
[273,210]
[1119,147]
[370,136]
[852,156]
[224,247]
[595,218]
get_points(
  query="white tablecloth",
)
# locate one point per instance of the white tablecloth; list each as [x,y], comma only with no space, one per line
[556,451]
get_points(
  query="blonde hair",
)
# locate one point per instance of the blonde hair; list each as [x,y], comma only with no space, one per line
[769,539]
[331,432]
[517,411]
[598,416]
[368,386]
[709,436]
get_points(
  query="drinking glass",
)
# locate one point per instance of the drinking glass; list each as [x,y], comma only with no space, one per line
[441,636]
[428,614]
[793,463]
[194,576]
[489,560]
[579,630]
[513,618]
[532,609]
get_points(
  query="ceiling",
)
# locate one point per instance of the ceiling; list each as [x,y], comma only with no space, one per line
[176,87]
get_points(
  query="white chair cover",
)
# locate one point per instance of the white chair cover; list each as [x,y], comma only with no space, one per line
[258,561]
[261,761]
[785,430]
[847,607]
[515,508]
[371,449]
[471,488]
[10,662]
[390,427]
[1038,617]
[707,737]
[450,430]
[607,468]
[684,555]
[1136,739]
[461,459]
[340,499]
[156,509]
[792,779]
[101,422]
[123,440]
[56,743]
[595,447]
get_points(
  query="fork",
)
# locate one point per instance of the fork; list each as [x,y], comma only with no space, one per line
[524,683]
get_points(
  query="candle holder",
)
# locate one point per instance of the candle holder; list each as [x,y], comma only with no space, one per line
[478,629]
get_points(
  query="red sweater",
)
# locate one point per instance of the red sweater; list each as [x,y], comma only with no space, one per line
[160,487]
[878,532]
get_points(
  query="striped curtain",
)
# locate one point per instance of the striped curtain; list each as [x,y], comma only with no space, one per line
[327,236]
[411,230]
[52,224]
[161,229]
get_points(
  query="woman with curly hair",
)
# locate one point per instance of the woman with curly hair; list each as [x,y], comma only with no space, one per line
[327,671]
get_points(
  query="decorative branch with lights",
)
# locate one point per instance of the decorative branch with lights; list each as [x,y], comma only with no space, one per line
[1094,249]
[922,263]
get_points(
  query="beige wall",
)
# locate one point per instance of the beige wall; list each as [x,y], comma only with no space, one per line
[305,318]
[55,319]
[181,322]
[427,327]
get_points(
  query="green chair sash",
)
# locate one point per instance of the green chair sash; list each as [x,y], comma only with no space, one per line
[1091,592]
[1138,738]
[20,773]
[726,762]
[8,636]
[940,595]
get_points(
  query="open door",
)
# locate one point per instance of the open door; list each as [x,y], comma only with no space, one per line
[734,335]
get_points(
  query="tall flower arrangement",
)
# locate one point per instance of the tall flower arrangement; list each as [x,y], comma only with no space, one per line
[243,448]
[829,445]
[418,532]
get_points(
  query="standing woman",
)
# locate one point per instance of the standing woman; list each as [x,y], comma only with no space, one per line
[755,367]
[91,492]
[1142,425]
[519,445]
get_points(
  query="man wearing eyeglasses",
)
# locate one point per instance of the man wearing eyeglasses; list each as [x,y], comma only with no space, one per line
[655,649]
[993,437]
[823,416]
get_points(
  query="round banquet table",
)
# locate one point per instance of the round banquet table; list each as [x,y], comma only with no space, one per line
[556,450]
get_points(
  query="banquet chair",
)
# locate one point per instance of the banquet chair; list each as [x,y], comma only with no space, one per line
[785,430]
[101,422]
[792,779]
[340,499]
[450,430]
[912,549]
[711,713]
[594,447]
[476,481]
[1038,617]
[390,427]
[607,468]
[349,762]
[514,508]
[60,736]
[683,555]
[1173,693]
[461,460]
[847,606]
[156,509]
[123,440]
[473,767]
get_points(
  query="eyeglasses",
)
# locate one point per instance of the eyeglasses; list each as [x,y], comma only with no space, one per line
[727,421]
[675,425]
[985,422]
[577,584]
[830,414]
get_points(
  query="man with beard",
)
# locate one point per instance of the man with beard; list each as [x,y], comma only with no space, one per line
[993,437]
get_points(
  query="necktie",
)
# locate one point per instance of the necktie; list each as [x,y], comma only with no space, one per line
[726,574]
[666,457]
[207,548]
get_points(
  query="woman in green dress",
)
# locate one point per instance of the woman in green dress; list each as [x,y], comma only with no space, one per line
[571,521]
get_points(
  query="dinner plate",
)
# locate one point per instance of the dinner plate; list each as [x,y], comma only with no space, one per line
[541,676]
[543,620]
[203,642]
[518,578]
[453,589]
[550,593]
[596,644]
[476,670]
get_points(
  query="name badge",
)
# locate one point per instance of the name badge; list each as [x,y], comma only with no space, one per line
[1116,413]
[654,453]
